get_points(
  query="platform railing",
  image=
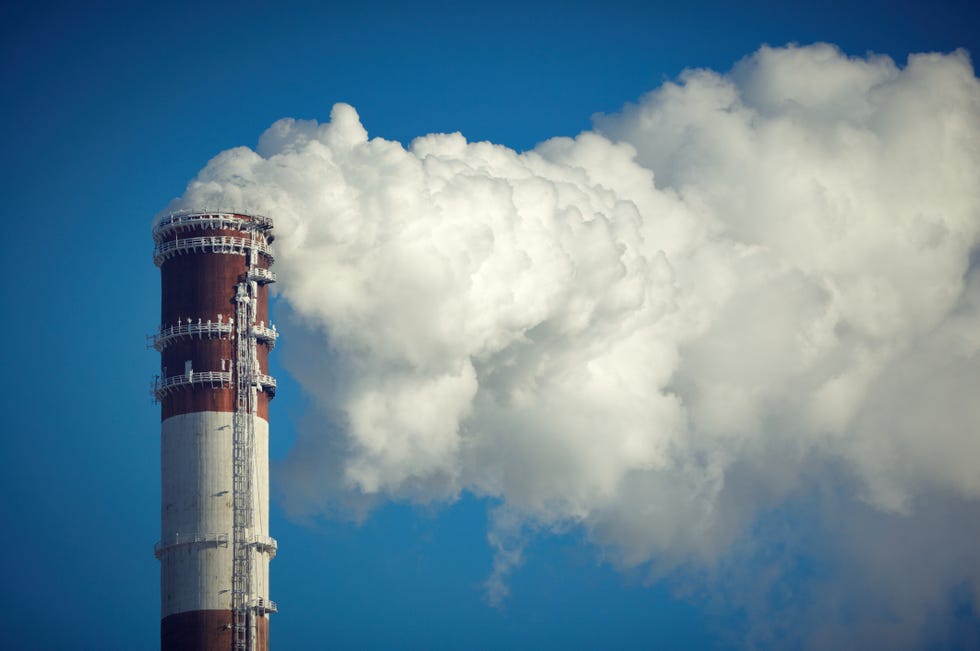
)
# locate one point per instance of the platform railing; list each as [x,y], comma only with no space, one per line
[262,276]
[265,382]
[183,220]
[200,330]
[216,244]
[163,386]
[187,540]
[265,334]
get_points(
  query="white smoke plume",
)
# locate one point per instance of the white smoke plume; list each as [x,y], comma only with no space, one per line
[746,294]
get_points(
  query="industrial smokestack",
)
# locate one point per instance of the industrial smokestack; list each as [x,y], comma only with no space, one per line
[214,390]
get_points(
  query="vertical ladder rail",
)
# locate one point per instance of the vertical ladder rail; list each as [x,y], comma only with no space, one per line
[243,462]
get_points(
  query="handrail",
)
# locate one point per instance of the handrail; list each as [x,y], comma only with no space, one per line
[264,334]
[261,275]
[197,539]
[189,219]
[163,386]
[261,543]
[210,329]
[265,382]
[163,251]
[265,544]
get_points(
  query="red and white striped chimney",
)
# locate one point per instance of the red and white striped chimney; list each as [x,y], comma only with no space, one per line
[214,390]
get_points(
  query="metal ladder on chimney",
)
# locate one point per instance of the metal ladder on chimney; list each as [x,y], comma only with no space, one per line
[243,465]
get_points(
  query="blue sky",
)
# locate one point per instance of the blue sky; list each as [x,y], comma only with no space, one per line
[111,108]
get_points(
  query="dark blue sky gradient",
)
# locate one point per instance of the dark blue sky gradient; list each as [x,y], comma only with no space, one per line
[110,108]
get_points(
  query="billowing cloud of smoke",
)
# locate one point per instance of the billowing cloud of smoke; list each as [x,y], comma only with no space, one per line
[744,292]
